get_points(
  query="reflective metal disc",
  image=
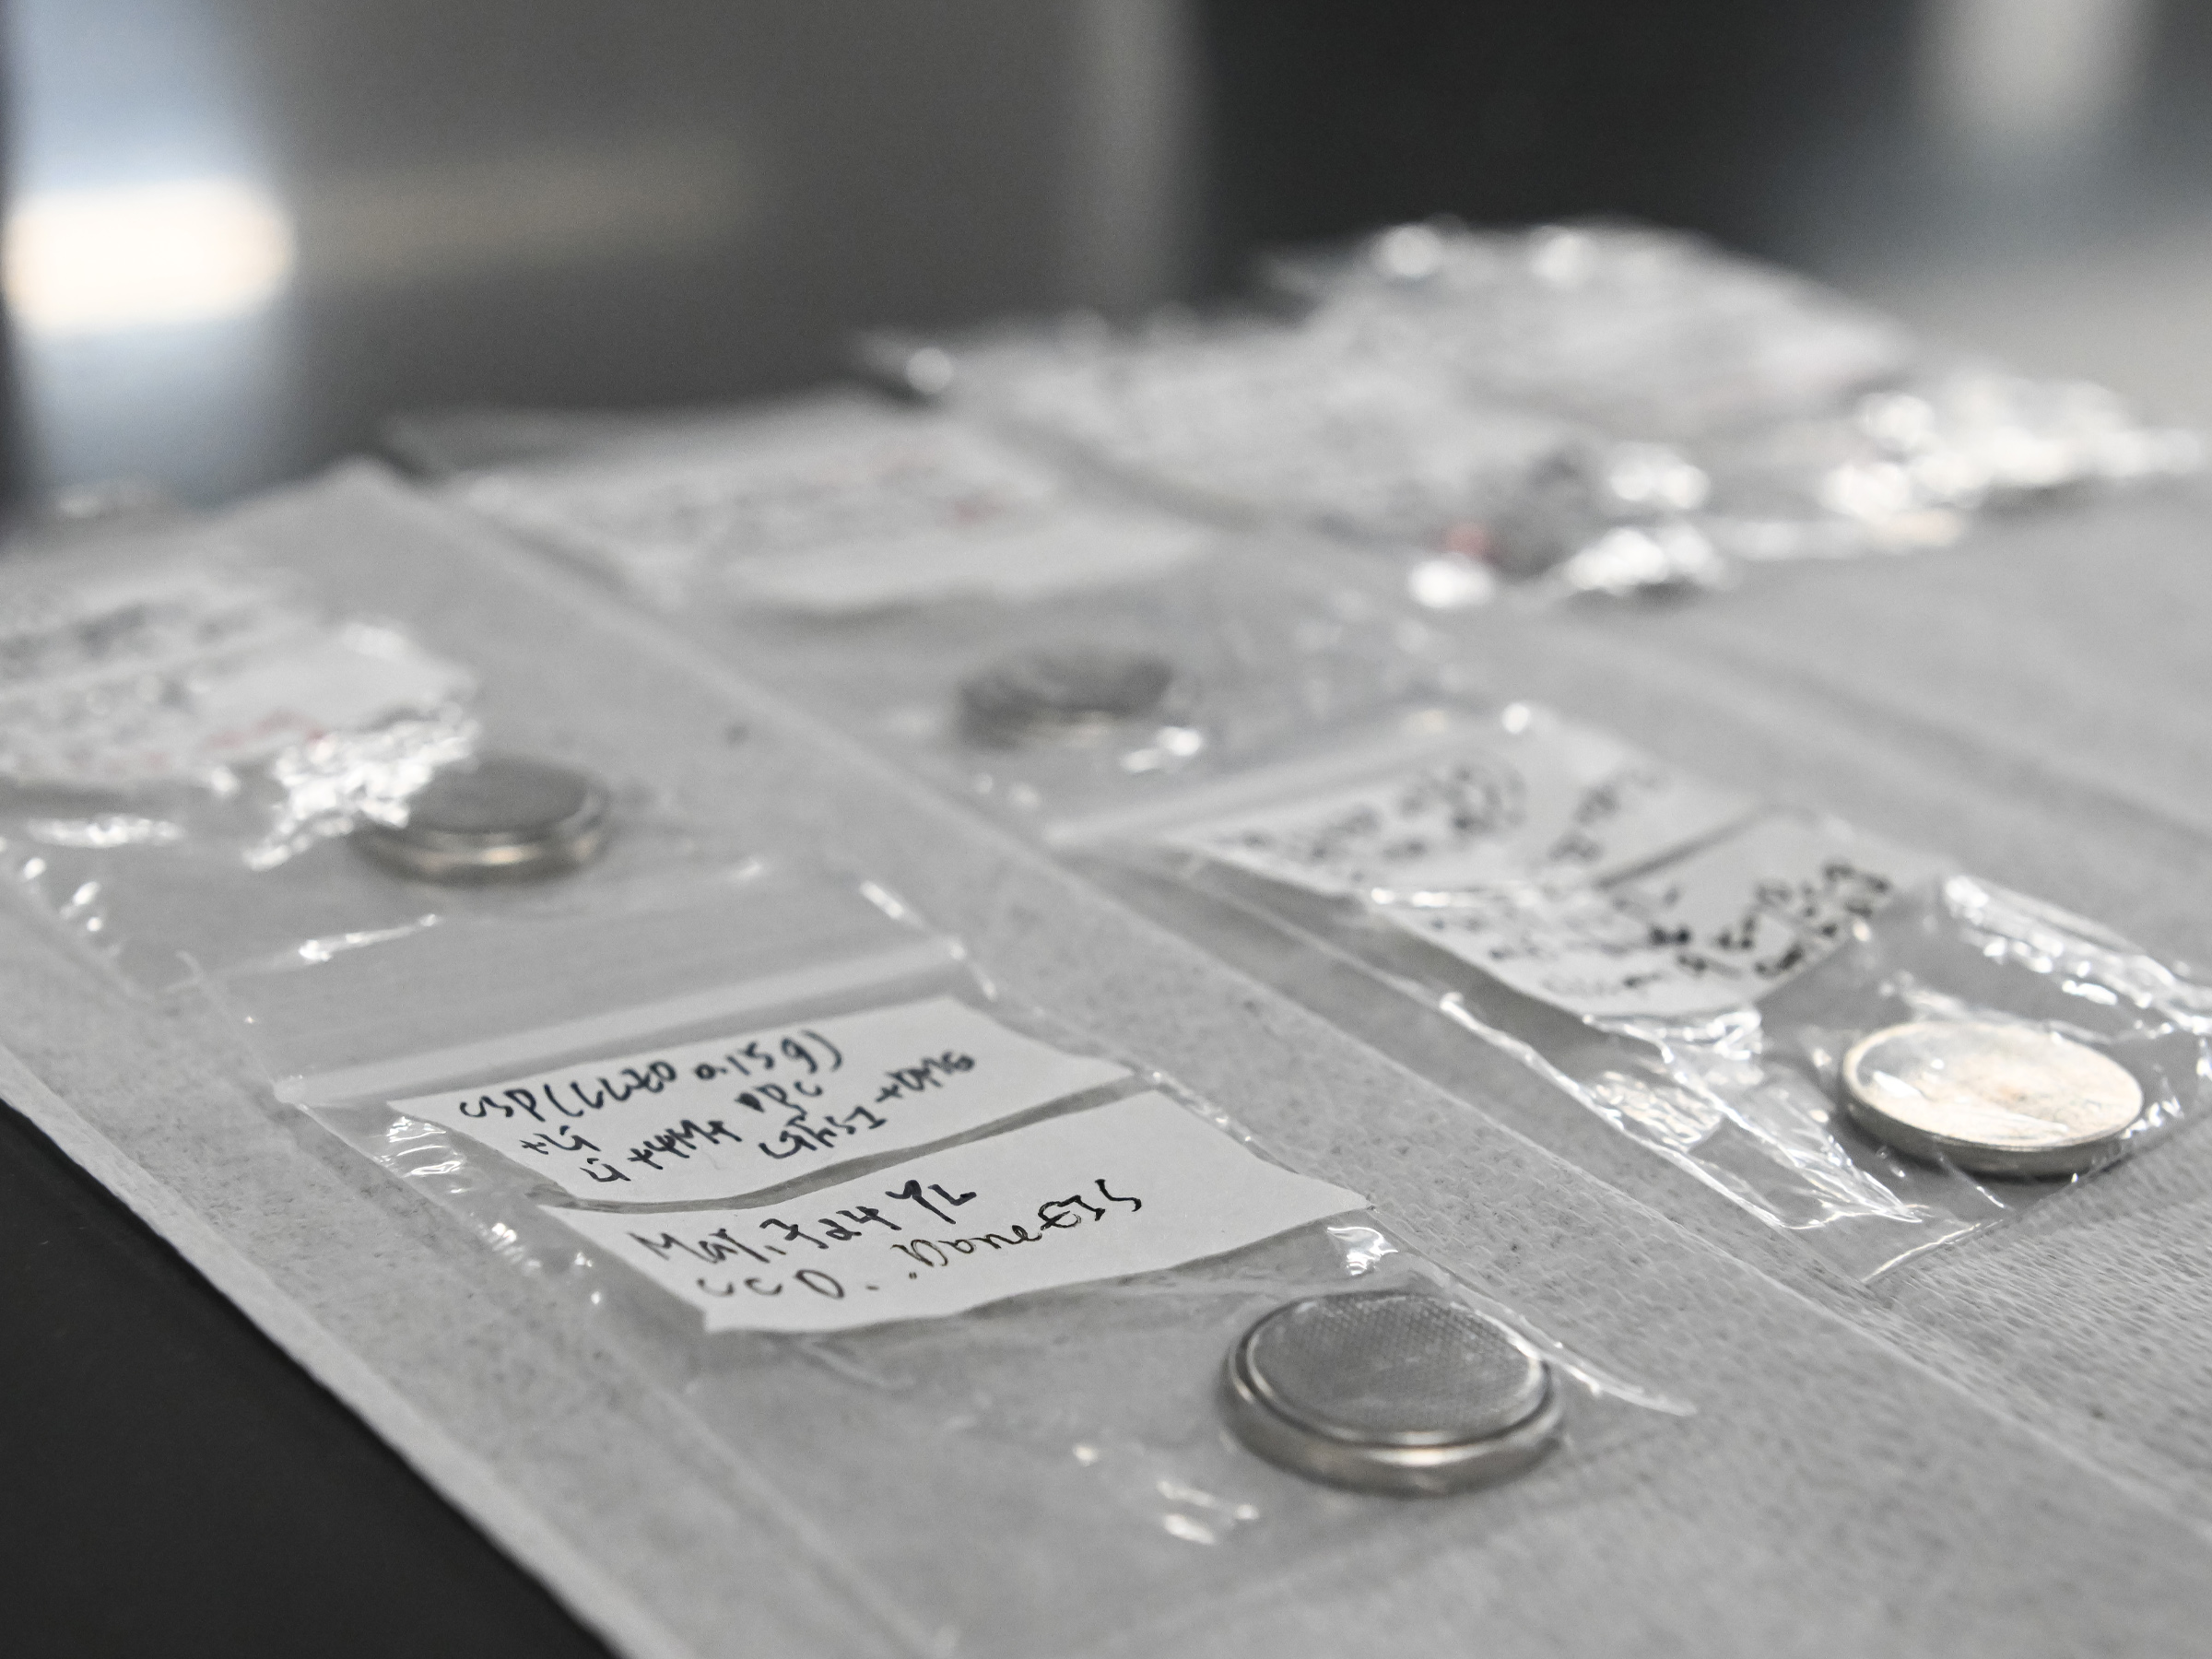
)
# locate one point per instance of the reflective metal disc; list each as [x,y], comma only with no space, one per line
[1390,1390]
[494,818]
[1062,695]
[1996,1099]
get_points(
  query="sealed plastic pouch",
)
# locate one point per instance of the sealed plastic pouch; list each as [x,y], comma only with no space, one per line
[328,845]
[1813,426]
[202,767]
[728,1038]
[1855,1043]
[987,1370]
[1092,1424]
[1258,424]
[1066,675]
[1138,692]
[828,508]
[1068,703]
[1648,334]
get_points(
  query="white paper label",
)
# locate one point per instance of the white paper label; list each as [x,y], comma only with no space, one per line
[172,673]
[1135,1186]
[60,626]
[1717,929]
[736,1115]
[1550,800]
[1025,559]
[840,513]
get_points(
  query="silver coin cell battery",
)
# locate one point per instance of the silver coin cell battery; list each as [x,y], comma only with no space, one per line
[1398,1392]
[1991,1099]
[1071,695]
[495,817]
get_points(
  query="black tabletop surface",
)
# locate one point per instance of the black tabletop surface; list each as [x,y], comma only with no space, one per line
[170,1482]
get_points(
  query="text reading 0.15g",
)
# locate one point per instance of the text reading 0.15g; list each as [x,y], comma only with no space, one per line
[725,1118]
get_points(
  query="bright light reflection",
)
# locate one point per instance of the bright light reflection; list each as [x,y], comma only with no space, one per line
[93,262]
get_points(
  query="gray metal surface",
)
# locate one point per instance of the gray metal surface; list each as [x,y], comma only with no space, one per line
[494,818]
[1995,1099]
[2003,1448]
[1399,1392]
[1071,695]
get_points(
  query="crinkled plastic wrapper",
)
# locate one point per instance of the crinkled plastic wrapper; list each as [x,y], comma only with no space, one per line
[1079,1420]
[1344,432]
[1641,331]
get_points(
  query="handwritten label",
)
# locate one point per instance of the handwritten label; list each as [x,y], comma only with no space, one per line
[172,672]
[1135,1186]
[1717,929]
[736,1115]
[1550,800]
[839,512]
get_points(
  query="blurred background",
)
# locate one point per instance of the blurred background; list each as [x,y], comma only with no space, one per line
[240,235]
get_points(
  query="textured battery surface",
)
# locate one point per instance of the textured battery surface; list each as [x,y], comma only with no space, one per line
[1986,1454]
[502,797]
[1390,1368]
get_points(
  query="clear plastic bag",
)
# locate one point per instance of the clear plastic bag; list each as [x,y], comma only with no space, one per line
[1087,1419]
[1244,640]
[1211,658]
[1641,333]
[1077,1421]
[1907,466]
[1266,424]
[131,670]
[1200,669]
[1577,408]
[1295,429]
[1685,964]
[192,741]
[831,507]
[1516,398]
[1820,426]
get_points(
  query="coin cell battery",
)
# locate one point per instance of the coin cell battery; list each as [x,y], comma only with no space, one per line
[1390,1390]
[496,818]
[1064,695]
[1993,1100]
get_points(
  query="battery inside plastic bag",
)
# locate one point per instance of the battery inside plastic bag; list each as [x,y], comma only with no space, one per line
[1698,994]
